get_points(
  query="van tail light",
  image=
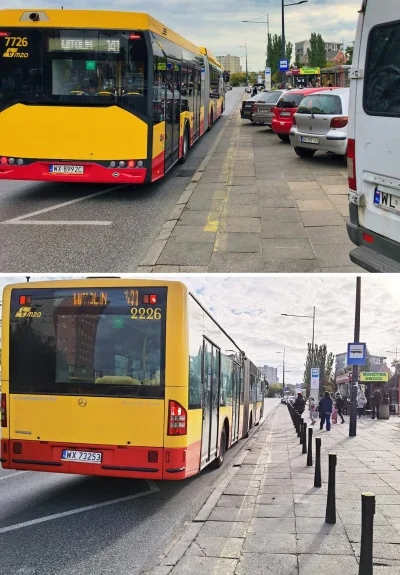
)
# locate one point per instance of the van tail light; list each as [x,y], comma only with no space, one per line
[339,122]
[177,419]
[351,164]
[3,410]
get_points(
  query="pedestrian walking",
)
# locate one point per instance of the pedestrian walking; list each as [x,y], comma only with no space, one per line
[299,403]
[325,411]
[254,91]
[339,401]
[376,402]
[313,410]
[361,401]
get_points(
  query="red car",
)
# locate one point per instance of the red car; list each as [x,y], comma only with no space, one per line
[286,108]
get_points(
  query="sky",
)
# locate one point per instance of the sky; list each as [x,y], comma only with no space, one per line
[249,308]
[219,27]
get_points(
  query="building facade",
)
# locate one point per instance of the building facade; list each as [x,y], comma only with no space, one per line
[302,47]
[270,373]
[230,63]
[378,363]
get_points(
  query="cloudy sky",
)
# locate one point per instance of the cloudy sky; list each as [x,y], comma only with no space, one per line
[249,309]
[218,25]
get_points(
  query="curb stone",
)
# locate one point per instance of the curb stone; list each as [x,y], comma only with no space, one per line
[178,548]
[158,245]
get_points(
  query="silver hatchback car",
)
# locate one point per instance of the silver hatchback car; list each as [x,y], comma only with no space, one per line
[320,123]
[263,110]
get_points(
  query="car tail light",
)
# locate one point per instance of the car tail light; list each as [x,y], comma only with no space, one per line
[294,121]
[339,122]
[368,238]
[351,164]
[177,419]
[3,410]
[272,109]
[254,109]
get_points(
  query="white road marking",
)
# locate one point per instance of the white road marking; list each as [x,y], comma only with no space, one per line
[56,223]
[153,489]
[19,219]
[11,475]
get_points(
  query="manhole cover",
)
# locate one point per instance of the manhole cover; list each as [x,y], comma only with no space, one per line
[185,173]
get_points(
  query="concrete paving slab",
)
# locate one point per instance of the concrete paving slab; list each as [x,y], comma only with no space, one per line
[328,235]
[291,266]
[382,534]
[241,211]
[194,218]
[318,219]
[315,206]
[283,511]
[194,565]
[224,529]
[231,514]
[279,202]
[236,501]
[327,564]
[272,525]
[238,242]
[192,234]
[185,253]
[304,186]
[283,215]
[323,544]
[242,200]
[229,548]
[269,543]
[235,263]
[240,225]
[287,249]
[267,564]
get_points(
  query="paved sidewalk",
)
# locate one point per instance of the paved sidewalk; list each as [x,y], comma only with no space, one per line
[266,518]
[254,206]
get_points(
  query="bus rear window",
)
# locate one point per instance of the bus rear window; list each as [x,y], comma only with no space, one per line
[104,342]
[290,100]
[382,71]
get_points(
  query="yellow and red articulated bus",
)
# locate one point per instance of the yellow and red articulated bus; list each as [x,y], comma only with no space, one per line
[120,378]
[96,96]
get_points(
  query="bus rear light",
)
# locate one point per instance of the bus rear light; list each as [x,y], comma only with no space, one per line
[134,36]
[11,161]
[351,164]
[20,162]
[177,419]
[121,164]
[3,410]
[3,34]
[25,299]
[153,299]
[152,456]
[131,164]
[139,164]
[4,160]
[17,448]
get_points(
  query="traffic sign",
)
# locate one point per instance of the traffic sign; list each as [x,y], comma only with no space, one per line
[356,353]
[268,79]
[314,383]
[283,65]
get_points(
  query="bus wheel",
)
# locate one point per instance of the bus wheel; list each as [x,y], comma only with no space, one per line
[251,421]
[211,121]
[185,145]
[222,448]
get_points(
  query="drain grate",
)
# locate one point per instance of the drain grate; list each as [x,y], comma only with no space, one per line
[185,173]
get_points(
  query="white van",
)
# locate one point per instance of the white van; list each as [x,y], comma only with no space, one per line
[374,138]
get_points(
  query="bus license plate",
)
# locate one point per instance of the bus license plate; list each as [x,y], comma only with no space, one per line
[81,456]
[61,169]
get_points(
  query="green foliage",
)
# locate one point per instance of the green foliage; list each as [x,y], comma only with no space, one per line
[316,54]
[274,52]
[349,53]
[324,361]
[274,389]
[367,366]
[237,79]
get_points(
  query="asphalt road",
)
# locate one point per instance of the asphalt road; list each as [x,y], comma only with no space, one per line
[74,237]
[54,524]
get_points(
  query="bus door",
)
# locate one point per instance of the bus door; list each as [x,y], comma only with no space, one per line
[235,401]
[177,110]
[172,114]
[197,102]
[210,384]
[246,397]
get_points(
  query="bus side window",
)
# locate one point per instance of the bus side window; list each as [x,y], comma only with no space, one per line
[160,71]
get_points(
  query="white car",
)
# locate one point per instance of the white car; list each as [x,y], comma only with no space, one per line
[248,89]
[320,123]
[374,144]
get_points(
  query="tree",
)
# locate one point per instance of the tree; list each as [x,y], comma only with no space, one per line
[349,53]
[367,366]
[297,64]
[274,389]
[316,53]
[237,79]
[324,361]
[274,52]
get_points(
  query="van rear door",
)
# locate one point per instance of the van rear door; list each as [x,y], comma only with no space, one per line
[375,118]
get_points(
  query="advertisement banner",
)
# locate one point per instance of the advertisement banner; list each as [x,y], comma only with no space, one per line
[370,376]
[311,71]
[314,387]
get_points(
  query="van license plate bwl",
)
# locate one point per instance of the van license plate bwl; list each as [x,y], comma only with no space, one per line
[387,201]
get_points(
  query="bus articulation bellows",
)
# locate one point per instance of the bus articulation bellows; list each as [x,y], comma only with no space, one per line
[96,96]
[122,378]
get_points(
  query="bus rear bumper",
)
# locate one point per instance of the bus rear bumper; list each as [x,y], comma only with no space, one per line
[92,173]
[117,460]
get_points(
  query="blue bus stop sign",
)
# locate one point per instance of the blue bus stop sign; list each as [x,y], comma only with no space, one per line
[283,65]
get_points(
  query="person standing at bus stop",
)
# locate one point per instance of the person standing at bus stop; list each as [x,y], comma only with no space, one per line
[376,402]
[325,411]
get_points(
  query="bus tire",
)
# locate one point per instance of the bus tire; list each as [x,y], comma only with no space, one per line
[211,120]
[304,152]
[222,449]
[185,145]
[251,421]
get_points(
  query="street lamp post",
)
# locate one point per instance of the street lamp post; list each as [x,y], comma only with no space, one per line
[261,22]
[313,328]
[354,379]
[247,75]
[283,28]
[283,366]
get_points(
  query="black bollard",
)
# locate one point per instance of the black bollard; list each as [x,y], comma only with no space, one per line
[304,450]
[367,533]
[317,474]
[298,424]
[330,516]
[309,453]
[301,431]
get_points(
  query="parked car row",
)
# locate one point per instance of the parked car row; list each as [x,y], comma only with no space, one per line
[311,119]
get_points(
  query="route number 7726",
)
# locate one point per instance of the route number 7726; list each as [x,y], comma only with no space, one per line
[16,41]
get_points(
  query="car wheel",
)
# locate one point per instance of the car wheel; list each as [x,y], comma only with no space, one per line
[304,152]
[222,449]
[185,145]
[251,120]
[284,137]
